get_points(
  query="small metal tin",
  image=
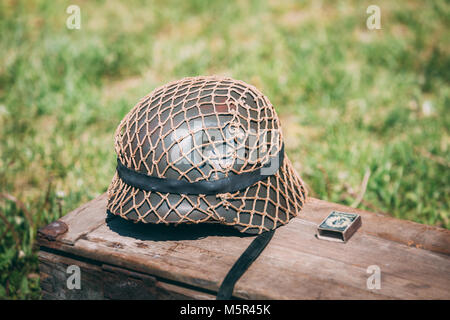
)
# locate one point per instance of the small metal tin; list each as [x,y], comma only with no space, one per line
[339,226]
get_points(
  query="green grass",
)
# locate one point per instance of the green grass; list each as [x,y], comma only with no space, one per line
[353,102]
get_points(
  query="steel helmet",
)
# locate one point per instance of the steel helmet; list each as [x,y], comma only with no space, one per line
[204,149]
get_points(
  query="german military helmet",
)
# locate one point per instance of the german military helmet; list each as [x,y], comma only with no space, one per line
[204,150]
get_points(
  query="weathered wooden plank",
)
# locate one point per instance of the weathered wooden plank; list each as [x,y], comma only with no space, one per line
[295,258]
[93,214]
[53,271]
[101,282]
[413,258]
[84,219]
[178,292]
[165,259]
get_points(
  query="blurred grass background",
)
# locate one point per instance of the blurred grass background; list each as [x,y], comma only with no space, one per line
[365,113]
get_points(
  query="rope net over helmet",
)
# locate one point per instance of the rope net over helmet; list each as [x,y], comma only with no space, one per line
[204,149]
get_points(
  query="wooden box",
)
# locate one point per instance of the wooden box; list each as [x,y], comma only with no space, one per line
[122,260]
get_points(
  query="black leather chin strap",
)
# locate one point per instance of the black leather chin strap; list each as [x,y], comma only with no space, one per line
[243,263]
[230,184]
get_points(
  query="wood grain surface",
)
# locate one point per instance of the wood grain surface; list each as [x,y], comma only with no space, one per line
[413,258]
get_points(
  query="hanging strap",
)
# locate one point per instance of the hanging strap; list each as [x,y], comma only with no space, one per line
[243,263]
